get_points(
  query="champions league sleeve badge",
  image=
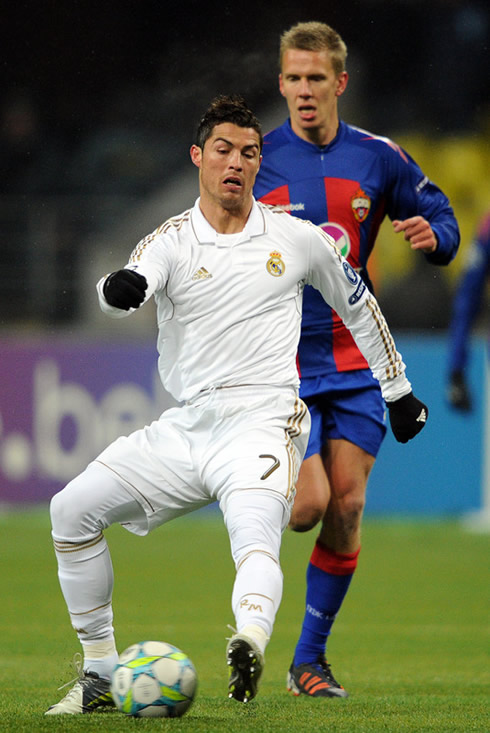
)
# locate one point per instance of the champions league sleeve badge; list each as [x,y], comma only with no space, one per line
[275,265]
[350,273]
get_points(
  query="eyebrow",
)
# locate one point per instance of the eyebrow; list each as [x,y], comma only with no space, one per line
[228,142]
[311,75]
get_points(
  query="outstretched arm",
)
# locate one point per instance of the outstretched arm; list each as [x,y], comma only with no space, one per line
[123,291]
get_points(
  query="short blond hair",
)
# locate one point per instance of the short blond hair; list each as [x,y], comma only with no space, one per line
[315,36]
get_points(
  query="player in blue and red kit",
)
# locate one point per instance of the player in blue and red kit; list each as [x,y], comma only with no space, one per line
[467,304]
[345,180]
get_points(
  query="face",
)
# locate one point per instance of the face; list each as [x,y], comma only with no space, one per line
[311,88]
[228,165]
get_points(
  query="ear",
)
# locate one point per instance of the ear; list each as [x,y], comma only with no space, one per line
[196,155]
[342,80]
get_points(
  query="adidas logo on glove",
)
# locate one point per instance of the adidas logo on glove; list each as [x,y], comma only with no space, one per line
[408,416]
[423,415]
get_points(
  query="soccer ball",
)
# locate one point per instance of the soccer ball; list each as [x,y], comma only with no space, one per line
[153,679]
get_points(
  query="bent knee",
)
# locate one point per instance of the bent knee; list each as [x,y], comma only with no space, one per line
[343,517]
[304,517]
[64,514]
[70,515]
[351,505]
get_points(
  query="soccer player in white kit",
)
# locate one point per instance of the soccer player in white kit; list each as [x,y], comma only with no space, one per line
[227,277]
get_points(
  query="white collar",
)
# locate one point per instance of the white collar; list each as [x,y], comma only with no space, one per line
[205,234]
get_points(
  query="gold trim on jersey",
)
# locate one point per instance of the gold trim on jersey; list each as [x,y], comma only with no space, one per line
[177,222]
[135,255]
[294,430]
[328,238]
[394,369]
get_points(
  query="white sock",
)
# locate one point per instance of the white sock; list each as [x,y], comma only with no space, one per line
[100,657]
[257,593]
[256,633]
[86,579]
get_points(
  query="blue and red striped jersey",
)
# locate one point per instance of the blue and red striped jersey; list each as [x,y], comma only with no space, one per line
[347,187]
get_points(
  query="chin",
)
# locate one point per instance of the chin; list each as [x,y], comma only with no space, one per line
[232,204]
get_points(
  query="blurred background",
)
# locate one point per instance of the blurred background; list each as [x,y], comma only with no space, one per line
[99,106]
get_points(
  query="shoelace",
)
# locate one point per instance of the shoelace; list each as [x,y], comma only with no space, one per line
[327,671]
[77,663]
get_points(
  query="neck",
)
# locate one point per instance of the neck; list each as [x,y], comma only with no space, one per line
[318,135]
[223,220]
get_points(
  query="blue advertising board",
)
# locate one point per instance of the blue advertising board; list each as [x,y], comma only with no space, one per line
[62,401]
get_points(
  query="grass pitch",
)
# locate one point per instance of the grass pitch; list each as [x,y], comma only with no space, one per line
[410,645]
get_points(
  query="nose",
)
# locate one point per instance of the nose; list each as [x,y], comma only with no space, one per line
[304,88]
[235,159]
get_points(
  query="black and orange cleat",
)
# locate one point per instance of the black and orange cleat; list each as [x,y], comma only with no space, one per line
[315,680]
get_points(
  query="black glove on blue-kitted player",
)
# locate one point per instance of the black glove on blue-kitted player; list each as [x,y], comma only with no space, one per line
[458,394]
[408,416]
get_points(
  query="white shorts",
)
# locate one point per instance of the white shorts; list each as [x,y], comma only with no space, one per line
[225,440]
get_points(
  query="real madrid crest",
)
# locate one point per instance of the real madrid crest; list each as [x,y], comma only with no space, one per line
[361,203]
[275,265]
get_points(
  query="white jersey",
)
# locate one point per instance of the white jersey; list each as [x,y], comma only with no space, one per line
[229,305]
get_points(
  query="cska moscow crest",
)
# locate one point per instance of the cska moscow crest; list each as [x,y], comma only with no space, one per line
[275,265]
[361,203]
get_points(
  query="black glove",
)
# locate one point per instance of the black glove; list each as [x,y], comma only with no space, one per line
[408,416]
[458,394]
[125,289]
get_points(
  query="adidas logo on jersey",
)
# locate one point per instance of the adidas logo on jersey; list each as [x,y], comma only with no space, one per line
[201,274]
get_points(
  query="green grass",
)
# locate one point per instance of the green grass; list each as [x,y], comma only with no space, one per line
[411,643]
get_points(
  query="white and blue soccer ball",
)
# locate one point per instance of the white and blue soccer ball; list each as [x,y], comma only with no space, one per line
[153,679]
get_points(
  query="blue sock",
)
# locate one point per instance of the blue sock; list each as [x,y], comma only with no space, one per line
[327,580]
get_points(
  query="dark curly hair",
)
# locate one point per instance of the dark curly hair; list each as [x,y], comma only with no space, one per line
[227,108]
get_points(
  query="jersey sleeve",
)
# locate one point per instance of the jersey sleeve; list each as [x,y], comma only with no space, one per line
[152,257]
[412,193]
[346,292]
